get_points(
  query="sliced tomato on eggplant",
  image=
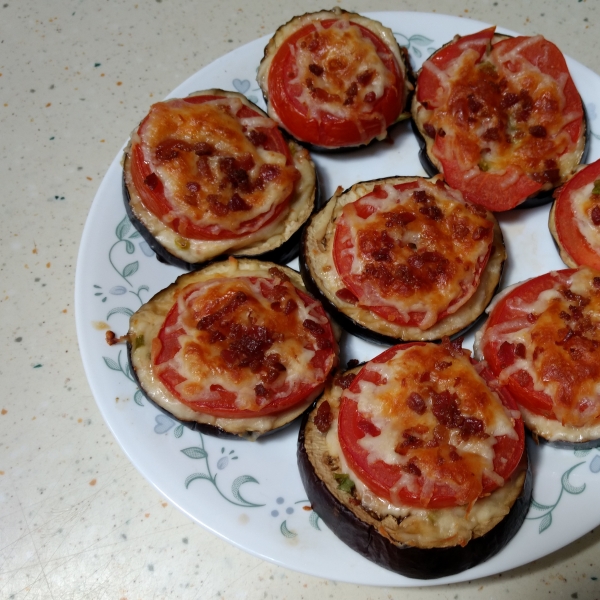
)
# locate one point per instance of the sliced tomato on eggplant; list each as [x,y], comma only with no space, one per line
[541,341]
[212,175]
[500,118]
[404,467]
[335,79]
[403,259]
[238,347]
[575,218]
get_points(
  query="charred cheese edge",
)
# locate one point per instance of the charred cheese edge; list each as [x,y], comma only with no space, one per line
[191,253]
[362,47]
[552,430]
[146,323]
[318,268]
[416,542]
[496,161]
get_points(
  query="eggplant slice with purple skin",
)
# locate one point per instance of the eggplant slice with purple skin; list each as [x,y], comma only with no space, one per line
[361,528]
[322,280]
[432,165]
[277,244]
[146,323]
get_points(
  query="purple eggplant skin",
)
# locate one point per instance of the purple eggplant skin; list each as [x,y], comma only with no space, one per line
[539,199]
[589,445]
[289,250]
[352,326]
[416,563]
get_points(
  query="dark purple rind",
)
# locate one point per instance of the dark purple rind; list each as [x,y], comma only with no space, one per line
[352,326]
[416,563]
[540,198]
[409,76]
[589,445]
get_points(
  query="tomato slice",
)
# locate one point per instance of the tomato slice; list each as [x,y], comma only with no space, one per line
[428,428]
[413,245]
[358,117]
[571,204]
[244,347]
[499,117]
[551,329]
[151,188]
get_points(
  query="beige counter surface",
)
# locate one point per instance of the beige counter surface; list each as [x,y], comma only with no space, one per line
[77,520]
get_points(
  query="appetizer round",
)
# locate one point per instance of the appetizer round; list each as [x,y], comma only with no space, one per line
[211,174]
[542,341]
[403,259]
[500,118]
[237,347]
[334,79]
[575,218]
[417,461]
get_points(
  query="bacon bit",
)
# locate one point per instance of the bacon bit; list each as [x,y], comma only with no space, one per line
[480,233]
[112,339]
[454,455]
[193,187]
[365,77]
[596,282]
[432,212]
[526,102]
[203,149]
[344,381]
[170,149]
[208,321]
[508,99]
[416,403]
[237,204]
[393,219]
[474,104]
[421,196]
[313,327]
[460,231]
[532,318]
[368,428]
[441,132]
[538,131]
[257,138]
[379,193]
[351,93]
[506,355]
[345,295]
[324,417]
[520,350]
[412,468]
[352,363]
[369,98]
[596,215]
[429,130]
[477,210]
[573,297]
[316,69]
[453,347]
[425,377]
[537,351]
[491,135]
[277,273]
[445,409]
[472,427]
[290,307]
[442,365]
[151,181]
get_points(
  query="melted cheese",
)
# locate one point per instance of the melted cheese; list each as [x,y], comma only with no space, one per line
[189,186]
[468,107]
[201,361]
[561,348]
[341,54]
[410,289]
[387,405]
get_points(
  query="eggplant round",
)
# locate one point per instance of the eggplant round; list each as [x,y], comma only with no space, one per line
[379,538]
[146,323]
[384,34]
[432,165]
[321,279]
[278,242]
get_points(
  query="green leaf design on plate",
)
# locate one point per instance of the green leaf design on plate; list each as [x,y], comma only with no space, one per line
[546,522]
[121,310]
[137,397]
[195,452]
[313,519]
[111,364]
[131,269]
[195,476]
[237,484]
[178,431]
[286,532]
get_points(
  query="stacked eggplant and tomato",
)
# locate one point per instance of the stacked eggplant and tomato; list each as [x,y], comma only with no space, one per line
[416,459]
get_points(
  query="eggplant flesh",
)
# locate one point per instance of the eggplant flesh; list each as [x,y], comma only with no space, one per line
[360,528]
[278,242]
[432,166]
[145,325]
[320,277]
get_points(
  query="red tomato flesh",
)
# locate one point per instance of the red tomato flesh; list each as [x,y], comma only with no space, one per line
[570,236]
[434,472]
[237,336]
[326,129]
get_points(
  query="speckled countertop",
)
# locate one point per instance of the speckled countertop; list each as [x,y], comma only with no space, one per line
[76,518]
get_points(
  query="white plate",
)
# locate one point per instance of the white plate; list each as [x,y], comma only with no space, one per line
[250,494]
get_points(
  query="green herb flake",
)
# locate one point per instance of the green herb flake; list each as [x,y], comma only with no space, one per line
[487,67]
[139,342]
[344,482]
[596,190]
[483,166]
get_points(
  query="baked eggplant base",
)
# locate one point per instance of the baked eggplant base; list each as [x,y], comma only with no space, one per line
[409,561]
